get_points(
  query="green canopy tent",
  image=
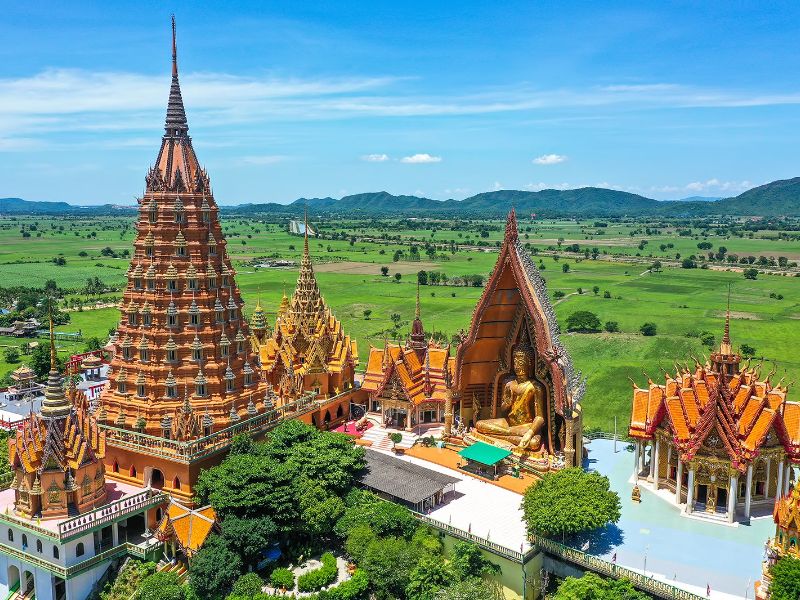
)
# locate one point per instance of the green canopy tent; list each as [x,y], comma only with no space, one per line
[484,455]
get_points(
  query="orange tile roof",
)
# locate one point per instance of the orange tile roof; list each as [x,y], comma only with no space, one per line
[423,375]
[190,528]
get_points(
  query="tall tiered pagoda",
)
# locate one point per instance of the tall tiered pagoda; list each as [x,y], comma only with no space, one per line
[308,349]
[718,435]
[182,366]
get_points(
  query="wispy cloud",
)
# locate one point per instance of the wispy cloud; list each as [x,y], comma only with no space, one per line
[375,157]
[417,159]
[549,159]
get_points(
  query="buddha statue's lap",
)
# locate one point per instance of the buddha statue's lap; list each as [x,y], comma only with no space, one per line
[523,404]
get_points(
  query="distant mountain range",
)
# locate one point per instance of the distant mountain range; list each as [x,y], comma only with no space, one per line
[776,199]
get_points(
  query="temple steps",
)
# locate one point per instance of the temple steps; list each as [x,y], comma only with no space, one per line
[379,437]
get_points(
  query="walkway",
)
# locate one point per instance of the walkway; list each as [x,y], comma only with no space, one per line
[653,537]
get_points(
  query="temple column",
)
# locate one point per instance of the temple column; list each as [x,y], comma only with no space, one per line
[654,466]
[766,484]
[690,491]
[787,479]
[408,417]
[748,491]
[637,451]
[652,458]
[732,498]
[642,449]
[779,483]
[569,451]
[678,481]
[448,413]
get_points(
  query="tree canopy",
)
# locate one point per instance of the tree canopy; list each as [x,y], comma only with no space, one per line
[594,587]
[569,501]
[584,321]
[785,579]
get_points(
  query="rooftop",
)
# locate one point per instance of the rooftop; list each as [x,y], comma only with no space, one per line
[407,481]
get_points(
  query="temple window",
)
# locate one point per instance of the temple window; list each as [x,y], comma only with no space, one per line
[144,355]
[212,283]
[176,484]
[232,314]
[172,355]
[132,471]
[147,319]
[172,391]
[193,284]
[194,319]
[248,379]
[206,430]
[151,284]
[115,467]
[121,387]
[140,391]
[229,385]
[220,315]
[79,549]
[137,283]
[131,318]
[225,281]
[126,352]
[212,249]
[55,552]
[206,215]
[197,354]
[10,535]
[24,542]
[239,347]
[223,348]
[153,215]
[39,546]
[200,389]
[180,251]
[172,285]
[148,250]
[166,432]
[172,320]
[179,216]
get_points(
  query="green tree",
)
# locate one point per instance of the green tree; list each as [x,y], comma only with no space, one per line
[385,271]
[467,560]
[565,268]
[750,273]
[395,438]
[785,579]
[248,537]
[389,562]
[357,541]
[384,518]
[473,588]
[367,313]
[40,360]
[569,501]
[248,585]
[11,354]
[594,587]
[707,339]
[398,276]
[558,294]
[583,321]
[596,290]
[282,578]
[422,277]
[688,263]
[92,344]
[611,326]
[213,570]
[160,586]
[429,576]
[747,351]
[648,329]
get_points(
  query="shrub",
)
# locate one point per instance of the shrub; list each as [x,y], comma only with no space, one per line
[282,578]
[612,326]
[319,578]
[247,585]
[648,329]
[750,273]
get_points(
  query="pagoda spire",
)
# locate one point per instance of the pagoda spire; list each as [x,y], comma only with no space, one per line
[725,347]
[55,402]
[417,331]
[512,235]
[176,124]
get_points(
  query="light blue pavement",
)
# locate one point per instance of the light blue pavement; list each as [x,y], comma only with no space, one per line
[695,552]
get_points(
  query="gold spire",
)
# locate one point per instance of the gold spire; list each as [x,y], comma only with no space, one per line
[417,313]
[725,347]
[55,402]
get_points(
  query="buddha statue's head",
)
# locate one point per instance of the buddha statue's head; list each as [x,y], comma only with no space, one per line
[523,358]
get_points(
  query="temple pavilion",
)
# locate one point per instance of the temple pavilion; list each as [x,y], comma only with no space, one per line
[308,350]
[409,383]
[718,437]
[786,542]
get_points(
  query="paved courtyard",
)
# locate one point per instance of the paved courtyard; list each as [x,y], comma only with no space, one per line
[677,548]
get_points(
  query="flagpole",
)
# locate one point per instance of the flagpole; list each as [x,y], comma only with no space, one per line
[615,434]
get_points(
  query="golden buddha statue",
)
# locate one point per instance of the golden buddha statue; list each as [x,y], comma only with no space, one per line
[523,405]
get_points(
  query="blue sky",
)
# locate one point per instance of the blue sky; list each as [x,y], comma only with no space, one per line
[442,99]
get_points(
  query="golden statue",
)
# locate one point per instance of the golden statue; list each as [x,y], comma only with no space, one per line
[523,405]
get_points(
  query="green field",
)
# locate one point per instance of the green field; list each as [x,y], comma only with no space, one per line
[679,301]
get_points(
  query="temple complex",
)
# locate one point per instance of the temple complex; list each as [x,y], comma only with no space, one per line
[182,367]
[308,349]
[409,384]
[514,384]
[719,436]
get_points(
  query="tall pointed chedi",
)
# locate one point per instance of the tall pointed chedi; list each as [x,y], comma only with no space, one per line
[182,367]
[308,350]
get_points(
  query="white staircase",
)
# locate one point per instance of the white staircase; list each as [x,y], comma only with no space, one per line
[379,437]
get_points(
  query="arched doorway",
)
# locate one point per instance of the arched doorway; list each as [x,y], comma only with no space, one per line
[27,585]
[157,479]
[13,578]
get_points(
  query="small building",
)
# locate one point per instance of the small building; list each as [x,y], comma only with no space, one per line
[483,459]
[786,542]
[184,530]
[400,481]
[23,385]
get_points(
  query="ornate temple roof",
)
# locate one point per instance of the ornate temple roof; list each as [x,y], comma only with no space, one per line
[787,512]
[190,528]
[721,402]
[419,371]
[307,338]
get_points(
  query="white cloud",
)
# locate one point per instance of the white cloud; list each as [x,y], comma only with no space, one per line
[538,187]
[418,159]
[497,186]
[267,159]
[375,157]
[549,159]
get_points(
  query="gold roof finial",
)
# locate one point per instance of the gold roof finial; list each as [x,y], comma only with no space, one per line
[53,360]
[725,347]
